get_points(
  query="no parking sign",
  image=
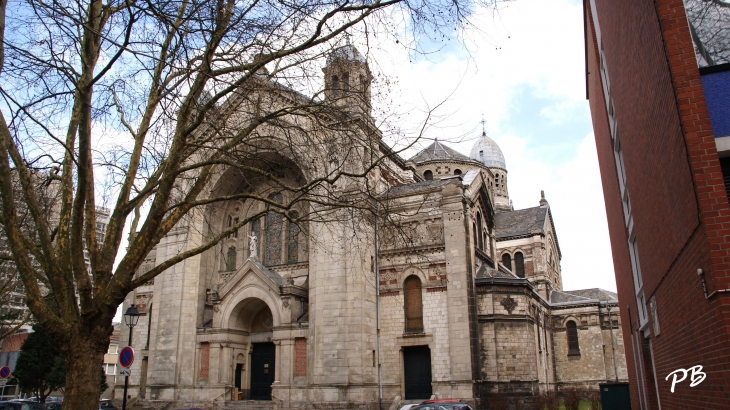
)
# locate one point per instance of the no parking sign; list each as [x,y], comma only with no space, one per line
[126,357]
[4,372]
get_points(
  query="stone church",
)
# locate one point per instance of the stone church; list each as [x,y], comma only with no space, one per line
[454,294]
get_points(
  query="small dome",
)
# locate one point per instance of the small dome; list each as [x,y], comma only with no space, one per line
[346,52]
[488,153]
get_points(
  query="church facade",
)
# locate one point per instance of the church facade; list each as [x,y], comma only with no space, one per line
[452,294]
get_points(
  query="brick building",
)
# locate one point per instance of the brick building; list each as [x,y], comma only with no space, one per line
[658,82]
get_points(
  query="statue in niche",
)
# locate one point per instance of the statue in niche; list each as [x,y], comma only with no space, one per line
[253,246]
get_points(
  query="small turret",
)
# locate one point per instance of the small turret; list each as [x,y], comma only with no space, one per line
[347,79]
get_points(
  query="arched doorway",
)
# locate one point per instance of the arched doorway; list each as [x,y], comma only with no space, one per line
[253,373]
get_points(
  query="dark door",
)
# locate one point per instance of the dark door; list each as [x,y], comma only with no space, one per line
[237,382]
[417,363]
[615,396]
[262,370]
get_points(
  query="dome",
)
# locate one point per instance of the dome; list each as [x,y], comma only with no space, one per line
[346,52]
[488,153]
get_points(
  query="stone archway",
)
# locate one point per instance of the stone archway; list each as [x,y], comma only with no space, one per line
[253,374]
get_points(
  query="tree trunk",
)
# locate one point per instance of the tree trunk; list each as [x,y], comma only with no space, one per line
[84,356]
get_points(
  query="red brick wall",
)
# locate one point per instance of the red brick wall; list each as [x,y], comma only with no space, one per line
[681,214]
[204,360]
[529,269]
[300,356]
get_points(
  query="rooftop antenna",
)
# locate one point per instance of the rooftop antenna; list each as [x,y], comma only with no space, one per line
[484,122]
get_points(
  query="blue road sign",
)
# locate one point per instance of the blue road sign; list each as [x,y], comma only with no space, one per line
[126,356]
[4,372]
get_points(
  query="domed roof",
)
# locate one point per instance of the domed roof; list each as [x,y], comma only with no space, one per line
[488,153]
[346,52]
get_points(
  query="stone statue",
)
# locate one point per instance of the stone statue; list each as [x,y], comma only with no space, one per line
[253,246]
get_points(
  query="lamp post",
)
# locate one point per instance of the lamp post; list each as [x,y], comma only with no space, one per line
[131,316]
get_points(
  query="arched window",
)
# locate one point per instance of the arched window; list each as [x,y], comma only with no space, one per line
[428,175]
[292,239]
[572,331]
[346,81]
[413,305]
[507,261]
[520,264]
[475,234]
[231,258]
[274,225]
[457,171]
[479,230]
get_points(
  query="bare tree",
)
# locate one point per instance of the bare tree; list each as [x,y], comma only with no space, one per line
[709,22]
[174,107]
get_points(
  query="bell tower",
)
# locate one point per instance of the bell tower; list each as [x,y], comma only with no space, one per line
[347,80]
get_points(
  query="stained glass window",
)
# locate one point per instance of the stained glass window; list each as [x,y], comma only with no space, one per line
[231,259]
[293,241]
[256,231]
[274,228]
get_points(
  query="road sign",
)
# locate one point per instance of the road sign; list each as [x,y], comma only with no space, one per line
[126,356]
[4,372]
[125,371]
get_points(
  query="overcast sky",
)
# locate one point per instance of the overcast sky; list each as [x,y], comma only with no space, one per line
[524,71]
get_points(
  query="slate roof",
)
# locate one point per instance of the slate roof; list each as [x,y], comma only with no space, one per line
[594,293]
[520,222]
[405,189]
[271,274]
[582,295]
[485,271]
[439,152]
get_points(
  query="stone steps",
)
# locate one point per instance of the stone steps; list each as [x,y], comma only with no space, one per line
[248,405]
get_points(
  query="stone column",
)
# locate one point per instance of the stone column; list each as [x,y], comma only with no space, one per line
[226,363]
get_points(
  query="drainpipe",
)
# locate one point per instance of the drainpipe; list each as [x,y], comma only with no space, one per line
[377,308]
[613,349]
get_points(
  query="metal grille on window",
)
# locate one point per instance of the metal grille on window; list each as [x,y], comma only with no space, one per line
[274,225]
[572,331]
[293,240]
[414,305]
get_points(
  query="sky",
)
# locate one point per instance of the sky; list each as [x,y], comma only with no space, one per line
[522,70]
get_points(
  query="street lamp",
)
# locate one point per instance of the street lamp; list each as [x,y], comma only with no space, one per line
[131,317]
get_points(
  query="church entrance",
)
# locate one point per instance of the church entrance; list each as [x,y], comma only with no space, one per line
[262,370]
[417,372]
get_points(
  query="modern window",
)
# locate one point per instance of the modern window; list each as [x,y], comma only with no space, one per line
[413,305]
[572,332]
[507,261]
[519,264]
